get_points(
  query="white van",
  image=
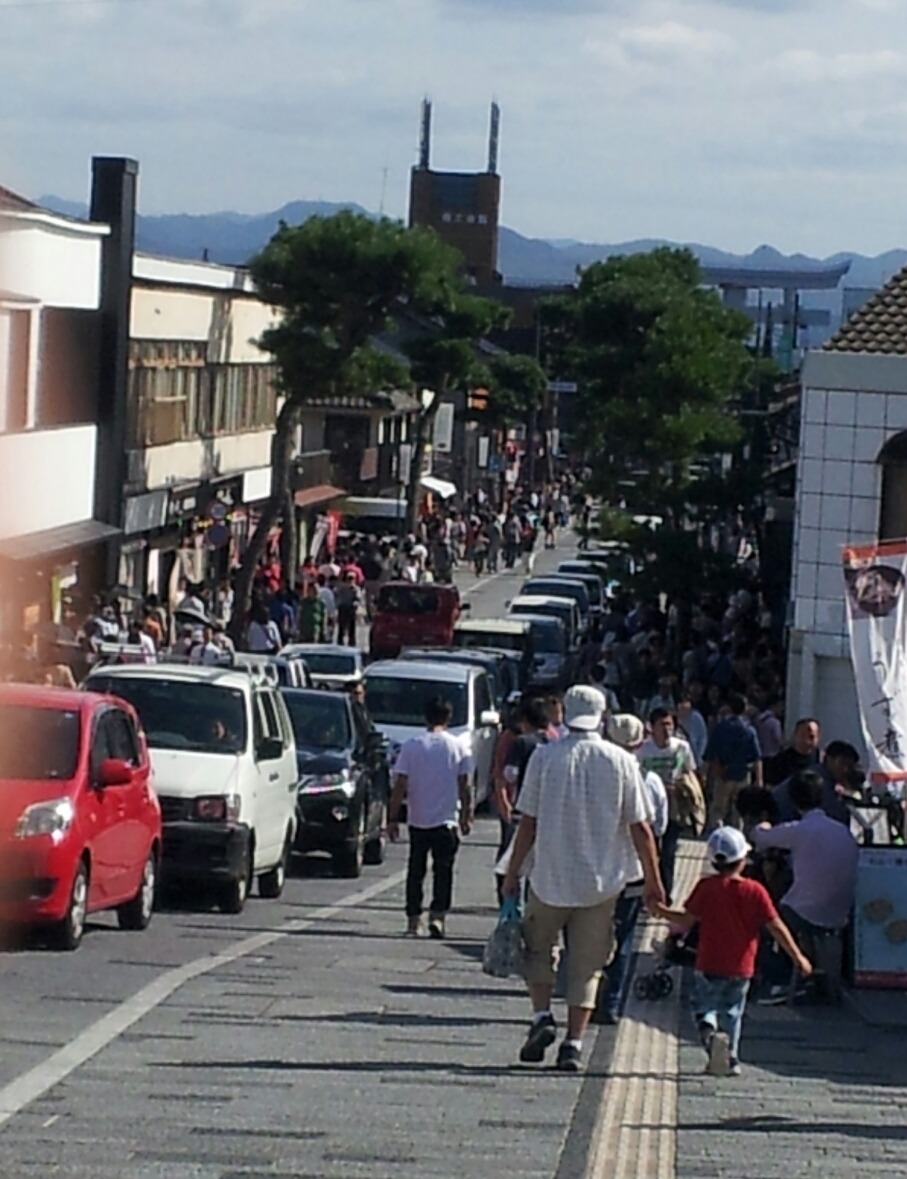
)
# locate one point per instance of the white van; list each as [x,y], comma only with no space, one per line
[396,692]
[224,762]
[563,608]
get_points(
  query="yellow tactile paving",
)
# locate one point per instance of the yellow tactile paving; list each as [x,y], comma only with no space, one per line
[636,1135]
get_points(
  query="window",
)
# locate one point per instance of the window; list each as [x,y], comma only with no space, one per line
[197,717]
[893,513]
[121,736]
[38,744]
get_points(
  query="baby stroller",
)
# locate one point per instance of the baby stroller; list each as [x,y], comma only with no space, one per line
[678,949]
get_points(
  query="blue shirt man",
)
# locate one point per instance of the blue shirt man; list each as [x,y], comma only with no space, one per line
[731,753]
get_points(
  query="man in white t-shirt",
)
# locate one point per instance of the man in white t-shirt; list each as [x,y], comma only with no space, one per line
[670,757]
[432,773]
[586,812]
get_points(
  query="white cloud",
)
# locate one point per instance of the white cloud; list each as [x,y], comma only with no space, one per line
[725,121]
[672,39]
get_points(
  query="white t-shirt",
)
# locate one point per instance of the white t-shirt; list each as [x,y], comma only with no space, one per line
[669,763]
[264,638]
[584,794]
[433,763]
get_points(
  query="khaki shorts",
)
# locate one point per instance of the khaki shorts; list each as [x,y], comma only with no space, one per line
[589,935]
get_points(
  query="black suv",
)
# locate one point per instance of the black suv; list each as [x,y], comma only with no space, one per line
[344,781]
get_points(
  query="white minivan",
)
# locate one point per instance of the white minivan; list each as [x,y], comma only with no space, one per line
[396,692]
[224,762]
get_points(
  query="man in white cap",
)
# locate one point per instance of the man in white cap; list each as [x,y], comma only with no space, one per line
[585,812]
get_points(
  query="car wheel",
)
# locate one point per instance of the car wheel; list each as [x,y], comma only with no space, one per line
[233,896]
[349,859]
[270,885]
[68,932]
[136,914]
[374,850]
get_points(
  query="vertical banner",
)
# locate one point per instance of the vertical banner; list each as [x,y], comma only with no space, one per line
[333,532]
[876,577]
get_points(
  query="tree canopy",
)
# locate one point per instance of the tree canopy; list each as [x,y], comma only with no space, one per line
[657,359]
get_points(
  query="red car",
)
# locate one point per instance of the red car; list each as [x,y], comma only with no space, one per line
[80,824]
[410,615]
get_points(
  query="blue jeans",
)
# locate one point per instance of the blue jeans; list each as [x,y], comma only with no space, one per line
[625,917]
[719,1003]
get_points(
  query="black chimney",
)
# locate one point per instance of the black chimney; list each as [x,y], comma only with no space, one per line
[114,183]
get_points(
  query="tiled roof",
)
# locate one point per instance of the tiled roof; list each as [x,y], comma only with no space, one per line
[880,326]
[10,201]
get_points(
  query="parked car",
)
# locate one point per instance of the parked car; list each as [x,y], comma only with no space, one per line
[564,608]
[564,587]
[329,665]
[224,763]
[591,577]
[408,615]
[343,786]
[396,692]
[552,662]
[504,634]
[285,670]
[80,824]
[503,674]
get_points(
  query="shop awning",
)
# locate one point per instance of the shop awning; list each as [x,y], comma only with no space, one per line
[56,540]
[439,486]
[322,494]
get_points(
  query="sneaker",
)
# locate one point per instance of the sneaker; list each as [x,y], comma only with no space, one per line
[734,1069]
[719,1055]
[568,1058]
[776,997]
[541,1036]
[414,927]
[436,927]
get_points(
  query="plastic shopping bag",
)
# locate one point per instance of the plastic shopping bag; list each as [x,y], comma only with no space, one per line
[503,955]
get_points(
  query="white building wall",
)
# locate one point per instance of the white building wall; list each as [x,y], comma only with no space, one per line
[48,477]
[851,408]
[56,262]
[202,459]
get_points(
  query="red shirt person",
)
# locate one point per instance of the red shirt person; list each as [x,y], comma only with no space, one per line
[731,912]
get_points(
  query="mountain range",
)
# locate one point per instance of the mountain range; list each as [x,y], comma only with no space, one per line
[232,238]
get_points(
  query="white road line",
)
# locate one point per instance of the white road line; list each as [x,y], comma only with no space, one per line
[15,1096]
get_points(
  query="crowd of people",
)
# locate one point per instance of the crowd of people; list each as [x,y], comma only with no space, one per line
[674,731]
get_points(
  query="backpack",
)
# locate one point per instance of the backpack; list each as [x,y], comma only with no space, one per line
[690,802]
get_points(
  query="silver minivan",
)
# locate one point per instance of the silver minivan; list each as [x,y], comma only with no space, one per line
[396,692]
[565,609]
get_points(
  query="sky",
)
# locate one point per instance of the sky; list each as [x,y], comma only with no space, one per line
[726,122]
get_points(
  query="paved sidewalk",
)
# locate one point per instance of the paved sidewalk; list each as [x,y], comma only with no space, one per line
[823,1091]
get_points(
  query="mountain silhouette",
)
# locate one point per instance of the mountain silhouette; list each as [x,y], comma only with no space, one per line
[232,238]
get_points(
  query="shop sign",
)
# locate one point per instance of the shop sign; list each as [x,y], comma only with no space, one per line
[144,513]
[256,485]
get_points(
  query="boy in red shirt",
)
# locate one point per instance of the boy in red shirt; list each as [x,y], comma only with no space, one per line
[731,912]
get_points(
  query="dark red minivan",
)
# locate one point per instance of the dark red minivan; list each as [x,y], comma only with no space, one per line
[80,824]
[410,615]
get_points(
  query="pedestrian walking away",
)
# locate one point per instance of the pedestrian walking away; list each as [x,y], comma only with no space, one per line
[432,775]
[731,911]
[586,814]
[732,754]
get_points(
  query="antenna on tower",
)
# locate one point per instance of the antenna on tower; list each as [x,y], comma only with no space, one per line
[494,138]
[425,136]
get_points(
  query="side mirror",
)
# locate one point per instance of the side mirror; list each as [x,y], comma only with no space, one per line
[490,719]
[270,749]
[113,771]
[466,605]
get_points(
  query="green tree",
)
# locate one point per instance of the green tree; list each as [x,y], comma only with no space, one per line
[443,359]
[334,283]
[658,360]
